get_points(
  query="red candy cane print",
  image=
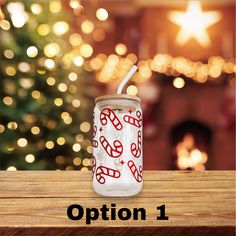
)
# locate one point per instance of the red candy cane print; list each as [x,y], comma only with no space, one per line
[107,113]
[95,142]
[94,131]
[102,170]
[134,121]
[94,165]
[136,148]
[115,151]
[134,170]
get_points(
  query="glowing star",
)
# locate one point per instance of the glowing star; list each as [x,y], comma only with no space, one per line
[194,23]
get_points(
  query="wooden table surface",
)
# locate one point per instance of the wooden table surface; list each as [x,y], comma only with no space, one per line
[197,203]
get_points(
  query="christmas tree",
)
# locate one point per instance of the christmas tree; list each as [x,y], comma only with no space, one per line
[46,96]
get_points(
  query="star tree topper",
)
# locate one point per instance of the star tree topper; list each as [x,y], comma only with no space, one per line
[194,23]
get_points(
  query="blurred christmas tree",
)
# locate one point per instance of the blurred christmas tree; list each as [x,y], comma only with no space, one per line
[45,93]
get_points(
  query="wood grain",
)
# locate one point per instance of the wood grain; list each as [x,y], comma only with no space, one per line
[35,203]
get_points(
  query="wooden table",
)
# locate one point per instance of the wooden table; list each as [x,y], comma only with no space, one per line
[197,203]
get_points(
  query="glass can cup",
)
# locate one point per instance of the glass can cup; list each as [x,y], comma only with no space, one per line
[117,145]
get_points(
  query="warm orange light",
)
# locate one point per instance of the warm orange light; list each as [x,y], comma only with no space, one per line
[189,156]
[194,23]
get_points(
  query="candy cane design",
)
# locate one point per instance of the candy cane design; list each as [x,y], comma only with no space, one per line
[107,113]
[134,170]
[94,130]
[102,170]
[134,121]
[115,151]
[94,165]
[95,142]
[136,148]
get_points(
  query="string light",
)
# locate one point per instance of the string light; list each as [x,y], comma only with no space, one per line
[8,101]
[55,6]
[35,130]
[17,13]
[51,81]
[2,128]
[35,94]
[49,144]
[11,168]
[32,51]
[76,147]
[60,28]
[73,76]
[75,4]
[87,27]
[86,50]
[75,40]
[113,67]
[61,141]
[77,161]
[36,8]
[90,149]
[66,118]
[85,127]
[43,29]
[102,14]
[65,115]
[79,61]
[30,158]
[58,102]
[76,103]
[22,142]
[51,49]
[121,49]
[10,70]
[49,63]
[24,67]
[178,82]
[62,87]
[132,90]
[79,137]
[8,54]
[86,161]
[5,25]
[12,125]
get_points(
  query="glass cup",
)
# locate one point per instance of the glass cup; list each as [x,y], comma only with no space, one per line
[117,145]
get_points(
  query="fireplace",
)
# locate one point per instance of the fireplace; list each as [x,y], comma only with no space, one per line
[191,146]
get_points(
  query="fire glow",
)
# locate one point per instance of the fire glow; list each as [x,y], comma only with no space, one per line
[189,156]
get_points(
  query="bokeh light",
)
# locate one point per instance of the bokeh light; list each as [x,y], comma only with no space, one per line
[75,39]
[132,90]
[51,49]
[60,28]
[87,27]
[30,158]
[22,142]
[36,8]
[121,49]
[86,50]
[102,14]
[43,29]
[79,61]
[85,127]
[178,82]
[32,51]
[55,6]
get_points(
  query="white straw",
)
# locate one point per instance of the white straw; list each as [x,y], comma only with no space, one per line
[126,79]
